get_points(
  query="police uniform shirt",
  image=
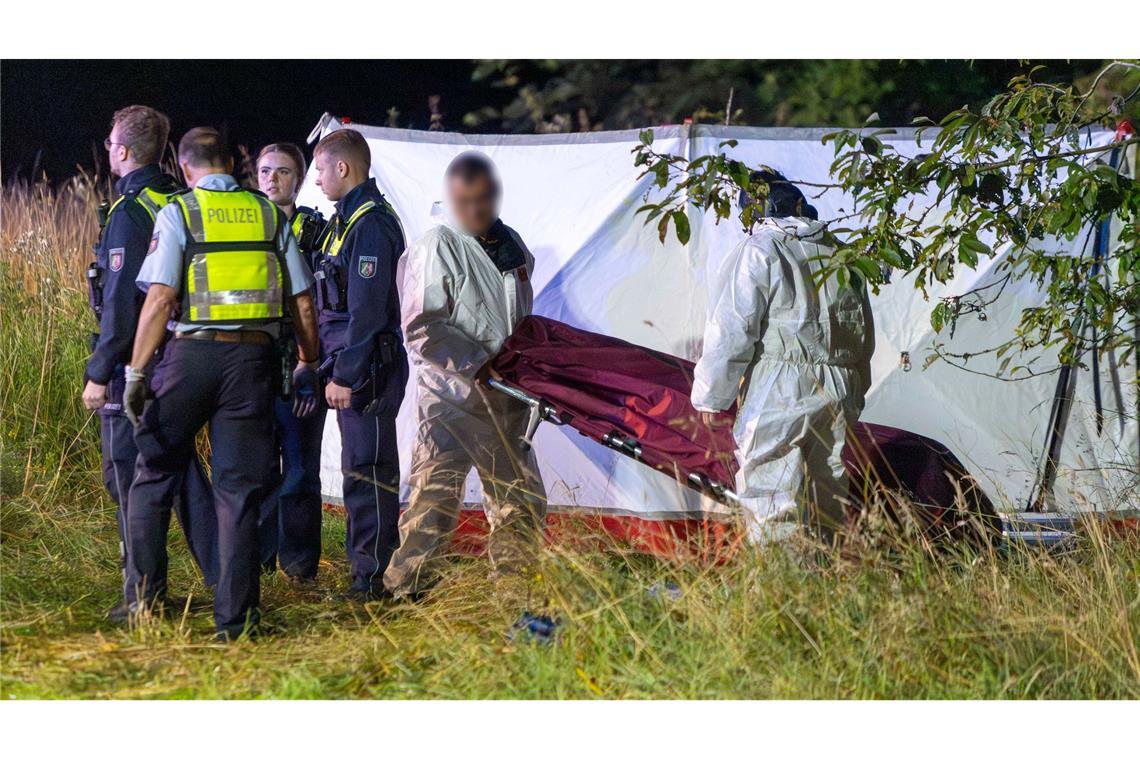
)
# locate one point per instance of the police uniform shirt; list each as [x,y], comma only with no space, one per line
[165,265]
[368,258]
[122,249]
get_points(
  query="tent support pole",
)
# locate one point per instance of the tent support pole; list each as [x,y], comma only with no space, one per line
[1041,496]
[1058,421]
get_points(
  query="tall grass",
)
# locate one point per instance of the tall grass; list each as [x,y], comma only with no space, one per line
[893,618]
[50,444]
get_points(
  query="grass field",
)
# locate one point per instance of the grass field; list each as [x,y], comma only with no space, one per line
[901,621]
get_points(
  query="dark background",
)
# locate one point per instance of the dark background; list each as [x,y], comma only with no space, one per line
[58,112]
[55,114]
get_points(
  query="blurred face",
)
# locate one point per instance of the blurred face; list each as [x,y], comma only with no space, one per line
[475,204]
[279,178]
[332,176]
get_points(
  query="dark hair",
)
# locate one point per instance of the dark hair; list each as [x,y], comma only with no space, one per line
[470,166]
[347,145]
[292,151]
[203,146]
[784,198]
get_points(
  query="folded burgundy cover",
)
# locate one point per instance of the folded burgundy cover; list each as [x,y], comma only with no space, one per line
[605,387]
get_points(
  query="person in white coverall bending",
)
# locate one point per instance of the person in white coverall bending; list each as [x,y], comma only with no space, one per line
[465,285]
[803,355]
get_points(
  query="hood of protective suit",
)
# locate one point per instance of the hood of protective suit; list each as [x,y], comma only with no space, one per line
[784,198]
[458,307]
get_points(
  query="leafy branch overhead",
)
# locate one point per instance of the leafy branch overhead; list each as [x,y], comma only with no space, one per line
[1018,175]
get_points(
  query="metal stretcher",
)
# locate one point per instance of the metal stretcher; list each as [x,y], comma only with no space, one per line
[543,411]
[635,401]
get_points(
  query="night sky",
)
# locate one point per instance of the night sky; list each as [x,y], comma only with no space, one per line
[61,110]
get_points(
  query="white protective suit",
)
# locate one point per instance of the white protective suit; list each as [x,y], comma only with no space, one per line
[458,308]
[804,356]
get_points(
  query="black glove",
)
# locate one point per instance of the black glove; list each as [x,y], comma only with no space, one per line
[306,388]
[134,395]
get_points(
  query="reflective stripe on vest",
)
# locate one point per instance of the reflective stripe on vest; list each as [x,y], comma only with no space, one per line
[334,242]
[233,270]
[152,201]
[114,207]
[297,223]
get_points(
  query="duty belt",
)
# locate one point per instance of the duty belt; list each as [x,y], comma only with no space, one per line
[256,337]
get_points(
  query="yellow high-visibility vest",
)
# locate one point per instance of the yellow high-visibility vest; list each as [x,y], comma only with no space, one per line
[338,230]
[233,268]
[297,223]
[150,199]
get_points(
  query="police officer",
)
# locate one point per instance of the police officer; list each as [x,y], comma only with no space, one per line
[290,519]
[362,350]
[138,136]
[223,264]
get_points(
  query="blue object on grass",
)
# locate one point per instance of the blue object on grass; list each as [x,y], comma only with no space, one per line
[669,591]
[539,628]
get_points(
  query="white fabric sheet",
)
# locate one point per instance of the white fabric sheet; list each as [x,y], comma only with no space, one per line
[573,199]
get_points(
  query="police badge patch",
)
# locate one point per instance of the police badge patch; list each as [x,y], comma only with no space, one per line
[153,244]
[367,267]
[115,259]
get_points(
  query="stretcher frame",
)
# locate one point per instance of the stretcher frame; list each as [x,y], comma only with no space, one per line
[544,411]
[1051,531]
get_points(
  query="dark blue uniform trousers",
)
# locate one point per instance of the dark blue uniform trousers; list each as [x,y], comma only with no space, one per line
[194,503]
[290,523]
[371,467]
[231,386]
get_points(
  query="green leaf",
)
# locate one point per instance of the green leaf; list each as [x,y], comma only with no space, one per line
[975,245]
[869,269]
[646,136]
[663,228]
[944,179]
[966,256]
[891,256]
[938,317]
[968,249]
[681,220]
[740,174]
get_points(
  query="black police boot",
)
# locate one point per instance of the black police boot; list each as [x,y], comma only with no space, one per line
[123,613]
[229,637]
[301,582]
[303,586]
[120,614]
[251,631]
[362,592]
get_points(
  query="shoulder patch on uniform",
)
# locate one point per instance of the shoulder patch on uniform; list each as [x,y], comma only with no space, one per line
[367,267]
[115,259]
[153,243]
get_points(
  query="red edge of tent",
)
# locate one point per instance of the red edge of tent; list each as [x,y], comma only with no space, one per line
[683,539]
